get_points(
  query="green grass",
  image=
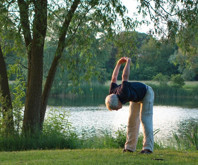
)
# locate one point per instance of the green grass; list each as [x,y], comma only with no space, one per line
[98,156]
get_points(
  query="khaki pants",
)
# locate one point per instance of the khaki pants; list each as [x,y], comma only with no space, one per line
[141,111]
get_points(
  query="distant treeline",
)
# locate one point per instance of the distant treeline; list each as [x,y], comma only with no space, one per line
[150,57]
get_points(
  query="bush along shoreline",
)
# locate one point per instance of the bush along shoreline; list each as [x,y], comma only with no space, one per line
[58,133]
[94,95]
[101,90]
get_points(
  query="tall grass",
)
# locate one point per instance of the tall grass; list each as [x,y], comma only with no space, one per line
[109,139]
[58,133]
[44,141]
[187,135]
[169,91]
[54,140]
[96,89]
[94,94]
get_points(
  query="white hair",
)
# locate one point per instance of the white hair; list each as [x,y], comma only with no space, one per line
[111,101]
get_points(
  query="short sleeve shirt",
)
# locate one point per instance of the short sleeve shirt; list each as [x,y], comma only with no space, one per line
[128,91]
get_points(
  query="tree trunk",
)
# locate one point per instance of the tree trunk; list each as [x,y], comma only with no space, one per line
[34,90]
[35,104]
[6,103]
[47,88]
[24,18]
[31,121]
[58,54]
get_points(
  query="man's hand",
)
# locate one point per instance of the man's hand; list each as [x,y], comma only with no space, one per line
[117,68]
[123,60]
[126,70]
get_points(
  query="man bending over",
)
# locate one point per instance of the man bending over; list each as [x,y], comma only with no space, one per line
[141,98]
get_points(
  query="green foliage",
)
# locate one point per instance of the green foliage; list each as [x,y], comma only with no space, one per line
[74,28]
[186,62]
[177,15]
[188,74]
[177,81]
[17,89]
[103,139]
[94,89]
[95,93]
[5,119]
[58,133]
[18,95]
[149,56]
[44,141]
[83,60]
[153,59]
[126,44]
[60,84]
[182,23]
[187,135]
[121,136]
[57,122]
[162,79]
[87,54]
[172,93]
[144,73]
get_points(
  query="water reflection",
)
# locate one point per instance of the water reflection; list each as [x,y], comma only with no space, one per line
[174,101]
[166,118]
[93,101]
[87,113]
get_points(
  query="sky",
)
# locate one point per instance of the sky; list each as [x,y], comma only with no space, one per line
[132,8]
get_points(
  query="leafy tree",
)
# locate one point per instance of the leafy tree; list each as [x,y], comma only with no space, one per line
[62,22]
[174,14]
[149,55]
[181,22]
[7,50]
[187,55]
[162,79]
[177,81]
[69,25]
[5,98]
[153,58]
[126,43]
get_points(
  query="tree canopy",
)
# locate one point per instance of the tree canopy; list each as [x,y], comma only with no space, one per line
[74,36]
[66,23]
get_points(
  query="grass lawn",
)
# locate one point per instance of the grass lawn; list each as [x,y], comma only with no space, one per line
[98,156]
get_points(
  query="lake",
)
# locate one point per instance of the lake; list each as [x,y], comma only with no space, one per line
[91,114]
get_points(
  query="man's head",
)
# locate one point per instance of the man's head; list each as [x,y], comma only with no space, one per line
[112,102]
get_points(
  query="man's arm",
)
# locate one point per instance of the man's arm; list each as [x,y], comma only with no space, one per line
[126,70]
[117,69]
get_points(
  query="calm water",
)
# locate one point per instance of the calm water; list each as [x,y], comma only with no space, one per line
[89,114]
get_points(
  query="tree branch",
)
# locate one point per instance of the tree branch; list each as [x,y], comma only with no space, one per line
[76,29]
[58,54]
[65,27]
[40,17]
[24,18]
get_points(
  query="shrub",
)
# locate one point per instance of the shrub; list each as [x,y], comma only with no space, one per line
[162,79]
[58,133]
[187,136]
[177,81]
